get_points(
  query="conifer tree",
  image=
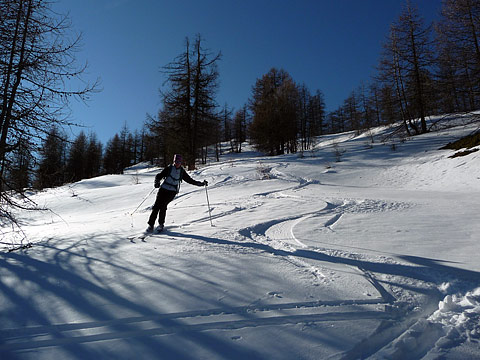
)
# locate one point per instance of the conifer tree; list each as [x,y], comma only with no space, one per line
[406,65]
[51,168]
[76,163]
[112,161]
[189,102]
[239,129]
[458,43]
[274,107]
[93,157]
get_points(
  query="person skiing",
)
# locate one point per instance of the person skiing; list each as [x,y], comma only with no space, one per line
[173,174]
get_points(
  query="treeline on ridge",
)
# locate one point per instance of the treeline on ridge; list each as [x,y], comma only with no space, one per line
[424,69]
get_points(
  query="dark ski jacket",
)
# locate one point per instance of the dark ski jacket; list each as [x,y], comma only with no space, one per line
[172,182]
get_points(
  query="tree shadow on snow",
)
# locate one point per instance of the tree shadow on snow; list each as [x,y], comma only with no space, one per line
[424,269]
[31,324]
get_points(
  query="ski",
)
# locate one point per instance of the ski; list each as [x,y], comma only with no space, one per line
[140,237]
[146,234]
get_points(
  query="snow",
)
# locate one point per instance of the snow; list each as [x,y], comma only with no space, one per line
[375,256]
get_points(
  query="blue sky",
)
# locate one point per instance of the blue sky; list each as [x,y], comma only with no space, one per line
[331,45]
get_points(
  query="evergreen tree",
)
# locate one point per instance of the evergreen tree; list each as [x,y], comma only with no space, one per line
[274,107]
[112,161]
[51,168]
[239,130]
[227,123]
[315,125]
[189,103]
[139,146]
[128,148]
[77,159]
[458,42]
[93,157]
[416,55]
[406,64]
[304,99]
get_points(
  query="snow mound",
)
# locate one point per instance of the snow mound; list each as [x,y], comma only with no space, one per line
[456,321]
[460,317]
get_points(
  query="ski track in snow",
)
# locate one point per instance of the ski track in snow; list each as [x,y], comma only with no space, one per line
[401,302]
[419,335]
[280,234]
[163,324]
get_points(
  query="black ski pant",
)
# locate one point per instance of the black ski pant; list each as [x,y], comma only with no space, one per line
[164,197]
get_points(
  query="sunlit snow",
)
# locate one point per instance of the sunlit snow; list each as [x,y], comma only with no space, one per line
[373,256]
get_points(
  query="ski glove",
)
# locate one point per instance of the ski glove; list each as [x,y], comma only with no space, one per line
[157,184]
[205,182]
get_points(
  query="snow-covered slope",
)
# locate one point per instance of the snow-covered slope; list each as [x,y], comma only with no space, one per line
[375,256]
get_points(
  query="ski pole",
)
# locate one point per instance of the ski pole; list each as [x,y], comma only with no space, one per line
[145,198]
[208,203]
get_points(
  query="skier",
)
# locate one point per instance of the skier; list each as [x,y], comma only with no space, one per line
[173,175]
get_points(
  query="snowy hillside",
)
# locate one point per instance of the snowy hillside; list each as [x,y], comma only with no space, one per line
[374,256]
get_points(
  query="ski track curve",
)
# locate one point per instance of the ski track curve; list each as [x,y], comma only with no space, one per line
[399,322]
